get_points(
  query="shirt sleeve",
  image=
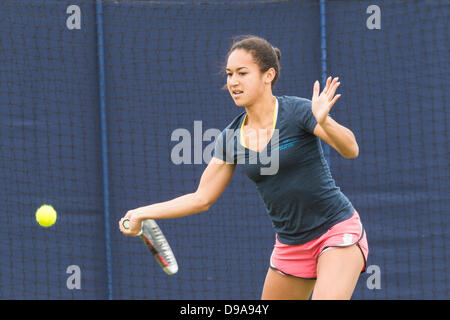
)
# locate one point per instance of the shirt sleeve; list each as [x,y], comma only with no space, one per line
[303,115]
[223,148]
[219,149]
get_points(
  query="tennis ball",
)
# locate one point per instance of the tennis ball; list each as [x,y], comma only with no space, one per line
[46,215]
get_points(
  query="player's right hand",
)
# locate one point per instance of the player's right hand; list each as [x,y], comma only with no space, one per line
[135,224]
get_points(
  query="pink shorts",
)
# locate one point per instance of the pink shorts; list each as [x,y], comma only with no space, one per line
[301,260]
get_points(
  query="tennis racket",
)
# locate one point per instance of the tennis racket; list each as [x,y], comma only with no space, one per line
[155,240]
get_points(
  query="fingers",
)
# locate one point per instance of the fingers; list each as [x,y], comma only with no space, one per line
[330,87]
[327,85]
[335,84]
[334,100]
[316,89]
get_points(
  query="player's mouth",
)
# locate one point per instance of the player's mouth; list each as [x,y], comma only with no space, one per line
[236,93]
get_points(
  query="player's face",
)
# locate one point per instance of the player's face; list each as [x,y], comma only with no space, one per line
[244,79]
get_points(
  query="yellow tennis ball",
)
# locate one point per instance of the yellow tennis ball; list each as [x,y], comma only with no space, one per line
[46,215]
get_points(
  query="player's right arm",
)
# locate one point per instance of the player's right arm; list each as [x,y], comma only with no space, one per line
[213,182]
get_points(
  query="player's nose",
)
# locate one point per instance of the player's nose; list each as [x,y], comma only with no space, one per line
[233,81]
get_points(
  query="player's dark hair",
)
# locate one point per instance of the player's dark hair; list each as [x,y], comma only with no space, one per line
[266,56]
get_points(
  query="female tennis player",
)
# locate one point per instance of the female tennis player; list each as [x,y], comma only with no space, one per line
[320,246]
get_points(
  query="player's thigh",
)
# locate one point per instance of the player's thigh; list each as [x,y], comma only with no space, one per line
[338,270]
[278,286]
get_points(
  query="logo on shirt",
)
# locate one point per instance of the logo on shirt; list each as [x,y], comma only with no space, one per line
[288,143]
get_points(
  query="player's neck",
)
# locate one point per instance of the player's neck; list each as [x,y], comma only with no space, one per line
[260,114]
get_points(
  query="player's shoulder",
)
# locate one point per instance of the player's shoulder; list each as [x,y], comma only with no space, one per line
[293,101]
[235,123]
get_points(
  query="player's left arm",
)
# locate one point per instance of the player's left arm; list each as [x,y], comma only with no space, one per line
[337,136]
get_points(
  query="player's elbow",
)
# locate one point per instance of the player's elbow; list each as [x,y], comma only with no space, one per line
[350,156]
[352,152]
[203,203]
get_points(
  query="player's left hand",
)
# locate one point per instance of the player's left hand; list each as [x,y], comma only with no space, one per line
[322,103]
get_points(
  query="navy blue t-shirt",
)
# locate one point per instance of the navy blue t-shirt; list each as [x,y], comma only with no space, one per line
[290,173]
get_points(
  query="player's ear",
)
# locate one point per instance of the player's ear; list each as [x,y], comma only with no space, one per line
[269,75]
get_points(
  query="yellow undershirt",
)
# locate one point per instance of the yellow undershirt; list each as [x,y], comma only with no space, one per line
[275,115]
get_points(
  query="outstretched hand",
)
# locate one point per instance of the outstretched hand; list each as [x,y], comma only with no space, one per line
[322,103]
